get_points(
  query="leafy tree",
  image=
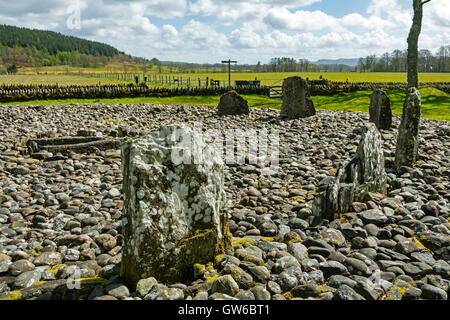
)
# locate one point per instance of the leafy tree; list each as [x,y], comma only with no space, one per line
[12,69]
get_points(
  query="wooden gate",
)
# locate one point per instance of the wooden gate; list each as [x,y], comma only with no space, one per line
[276,92]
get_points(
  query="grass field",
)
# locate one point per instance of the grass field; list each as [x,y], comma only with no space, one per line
[276,78]
[435,103]
[266,78]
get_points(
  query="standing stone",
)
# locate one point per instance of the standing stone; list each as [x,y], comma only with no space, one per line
[297,102]
[231,103]
[370,158]
[174,211]
[408,136]
[365,173]
[380,110]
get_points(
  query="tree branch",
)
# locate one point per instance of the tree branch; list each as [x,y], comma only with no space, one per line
[425,1]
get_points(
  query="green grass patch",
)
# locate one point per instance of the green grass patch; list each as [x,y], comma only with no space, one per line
[254,101]
[435,103]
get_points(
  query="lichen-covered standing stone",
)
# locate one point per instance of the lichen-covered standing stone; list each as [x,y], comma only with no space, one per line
[408,136]
[365,173]
[231,103]
[174,211]
[380,110]
[297,102]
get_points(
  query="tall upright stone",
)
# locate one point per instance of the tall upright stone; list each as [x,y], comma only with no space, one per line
[174,211]
[408,135]
[297,102]
[380,110]
[365,173]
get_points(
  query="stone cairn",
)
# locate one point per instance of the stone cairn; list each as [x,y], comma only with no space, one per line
[231,103]
[174,211]
[408,136]
[364,174]
[380,110]
[297,102]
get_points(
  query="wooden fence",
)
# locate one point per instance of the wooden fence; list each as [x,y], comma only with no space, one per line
[160,79]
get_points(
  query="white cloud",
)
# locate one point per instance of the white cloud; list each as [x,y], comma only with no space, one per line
[230,11]
[247,30]
[282,18]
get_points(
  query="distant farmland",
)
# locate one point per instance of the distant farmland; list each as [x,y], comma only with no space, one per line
[270,78]
[266,78]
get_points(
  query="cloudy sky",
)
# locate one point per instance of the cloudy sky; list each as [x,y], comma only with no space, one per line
[244,30]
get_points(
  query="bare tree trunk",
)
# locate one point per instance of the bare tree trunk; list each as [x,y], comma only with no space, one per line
[413,44]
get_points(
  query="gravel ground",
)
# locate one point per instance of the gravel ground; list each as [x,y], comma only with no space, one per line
[60,214]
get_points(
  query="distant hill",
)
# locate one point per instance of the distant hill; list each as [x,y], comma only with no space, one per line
[347,62]
[53,42]
[22,48]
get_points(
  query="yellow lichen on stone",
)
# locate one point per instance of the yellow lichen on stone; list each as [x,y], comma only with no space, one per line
[296,239]
[91,280]
[37,250]
[420,244]
[298,199]
[255,260]
[57,268]
[218,259]
[243,241]
[38,283]
[336,243]
[212,279]
[402,290]
[15,295]
[269,239]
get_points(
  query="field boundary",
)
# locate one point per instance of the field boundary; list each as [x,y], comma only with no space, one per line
[14,93]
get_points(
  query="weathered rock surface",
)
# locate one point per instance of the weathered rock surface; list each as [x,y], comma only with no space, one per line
[72,204]
[297,102]
[365,173]
[174,206]
[231,103]
[380,110]
[408,135]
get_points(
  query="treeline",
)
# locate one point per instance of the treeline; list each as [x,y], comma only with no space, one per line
[396,61]
[283,64]
[388,62]
[21,47]
[13,58]
[52,42]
